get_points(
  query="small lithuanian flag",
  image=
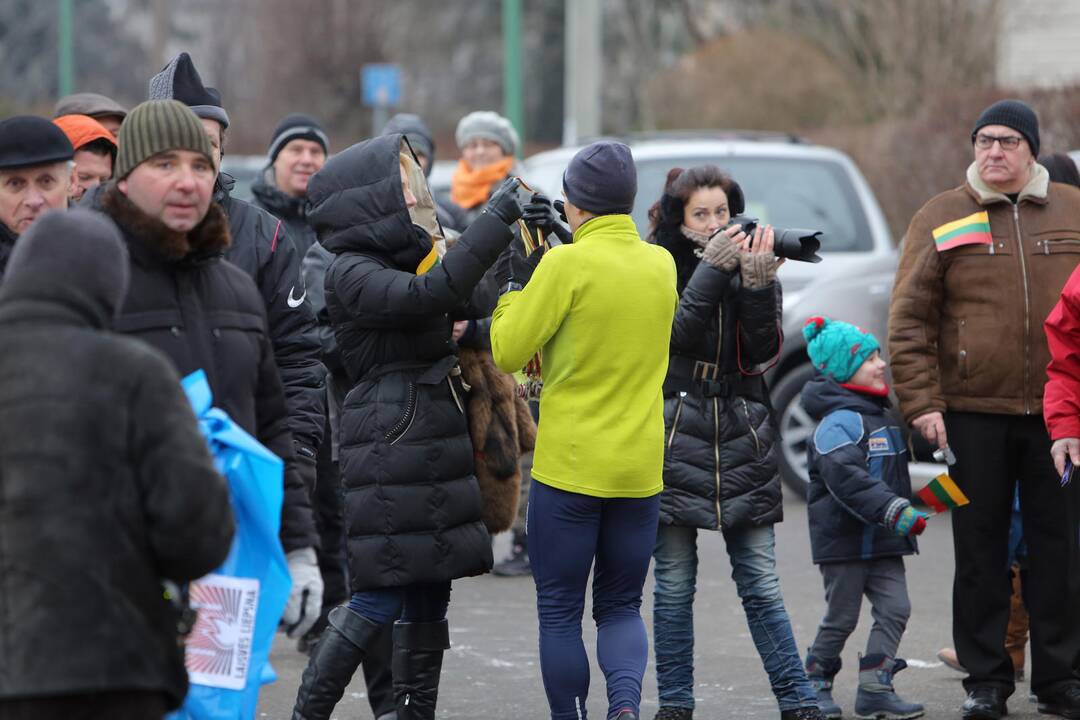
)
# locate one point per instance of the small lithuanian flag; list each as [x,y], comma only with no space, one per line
[941,493]
[429,261]
[971,230]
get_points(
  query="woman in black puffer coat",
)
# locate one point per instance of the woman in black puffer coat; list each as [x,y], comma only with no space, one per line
[720,470]
[412,502]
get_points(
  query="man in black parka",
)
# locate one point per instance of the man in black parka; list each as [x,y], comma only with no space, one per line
[202,312]
[107,483]
[263,248]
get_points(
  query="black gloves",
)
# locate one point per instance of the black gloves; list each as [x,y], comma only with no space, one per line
[513,270]
[540,214]
[504,203]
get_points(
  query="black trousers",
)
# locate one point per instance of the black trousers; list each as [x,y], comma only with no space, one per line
[118,705]
[993,454]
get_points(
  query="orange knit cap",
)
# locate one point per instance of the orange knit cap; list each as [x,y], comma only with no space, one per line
[83,129]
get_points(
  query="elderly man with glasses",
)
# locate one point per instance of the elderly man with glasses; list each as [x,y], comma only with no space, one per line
[982,266]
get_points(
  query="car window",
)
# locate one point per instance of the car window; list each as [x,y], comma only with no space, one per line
[814,194]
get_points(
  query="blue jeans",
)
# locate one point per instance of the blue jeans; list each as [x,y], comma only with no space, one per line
[425,602]
[567,531]
[753,568]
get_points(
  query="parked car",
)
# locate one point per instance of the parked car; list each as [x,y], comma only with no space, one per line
[789,183]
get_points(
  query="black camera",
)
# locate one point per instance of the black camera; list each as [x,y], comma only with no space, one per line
[793,243]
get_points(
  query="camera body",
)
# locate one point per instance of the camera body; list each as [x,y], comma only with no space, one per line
[792,243]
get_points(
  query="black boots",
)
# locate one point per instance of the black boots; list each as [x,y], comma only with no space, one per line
[417,665]
[377,674]
[335,658]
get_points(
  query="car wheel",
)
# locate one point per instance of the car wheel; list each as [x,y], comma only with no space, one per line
[796,427]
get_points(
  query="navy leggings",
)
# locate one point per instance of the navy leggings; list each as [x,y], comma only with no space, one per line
[567,531]
[424,602]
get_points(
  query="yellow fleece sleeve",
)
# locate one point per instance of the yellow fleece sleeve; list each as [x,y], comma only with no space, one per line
[524,321]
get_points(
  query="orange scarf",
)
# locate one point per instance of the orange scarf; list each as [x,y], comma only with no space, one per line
[469,187]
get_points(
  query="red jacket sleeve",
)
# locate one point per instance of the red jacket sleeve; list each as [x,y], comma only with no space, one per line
[1061,401]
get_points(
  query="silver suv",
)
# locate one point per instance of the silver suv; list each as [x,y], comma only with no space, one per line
[788,183]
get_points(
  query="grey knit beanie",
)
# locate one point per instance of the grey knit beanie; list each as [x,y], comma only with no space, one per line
[602,179]
[489,125]
[157,126]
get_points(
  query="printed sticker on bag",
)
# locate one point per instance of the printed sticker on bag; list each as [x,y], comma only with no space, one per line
[218,652]
[879,444]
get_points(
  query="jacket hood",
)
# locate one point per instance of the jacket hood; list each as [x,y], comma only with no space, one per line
[356,203]
[75,259]
[823,395]
[1036,189]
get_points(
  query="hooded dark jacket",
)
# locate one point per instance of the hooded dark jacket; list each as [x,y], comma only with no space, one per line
[264,247]
[108,486]
[204,312]
[412,502]
[720,468]
[858,475]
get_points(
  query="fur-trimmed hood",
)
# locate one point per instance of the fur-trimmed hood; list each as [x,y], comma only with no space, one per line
[148,236]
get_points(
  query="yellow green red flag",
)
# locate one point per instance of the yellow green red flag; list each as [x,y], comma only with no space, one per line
[429,261]
[941,493]
[971,230]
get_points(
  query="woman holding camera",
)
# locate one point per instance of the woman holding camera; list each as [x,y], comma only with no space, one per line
[720,470]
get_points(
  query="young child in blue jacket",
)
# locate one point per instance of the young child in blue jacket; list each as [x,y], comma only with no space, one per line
[861,520]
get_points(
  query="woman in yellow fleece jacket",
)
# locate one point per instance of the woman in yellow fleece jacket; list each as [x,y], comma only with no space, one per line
[601,310]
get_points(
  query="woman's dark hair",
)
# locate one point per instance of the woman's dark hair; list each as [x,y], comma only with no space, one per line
[667,212]
[1062,169]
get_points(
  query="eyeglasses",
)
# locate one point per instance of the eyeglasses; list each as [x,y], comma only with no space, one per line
[1008,142]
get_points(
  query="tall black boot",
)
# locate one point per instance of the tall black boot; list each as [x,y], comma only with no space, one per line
[378,676]
[339,652]
[417,666]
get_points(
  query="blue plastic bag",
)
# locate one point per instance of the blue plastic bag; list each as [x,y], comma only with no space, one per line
[240,603]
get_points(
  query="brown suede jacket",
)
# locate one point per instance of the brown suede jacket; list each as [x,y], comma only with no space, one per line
[966,324]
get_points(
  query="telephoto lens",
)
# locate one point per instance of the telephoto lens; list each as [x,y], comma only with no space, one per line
[791,243]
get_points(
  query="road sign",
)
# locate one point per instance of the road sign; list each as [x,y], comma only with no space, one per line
[380,84]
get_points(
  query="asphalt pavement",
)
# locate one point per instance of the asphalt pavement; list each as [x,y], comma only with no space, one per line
[492,670]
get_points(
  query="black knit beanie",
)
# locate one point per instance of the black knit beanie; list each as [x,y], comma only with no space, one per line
[1015,114]
[602,179]
[297,126]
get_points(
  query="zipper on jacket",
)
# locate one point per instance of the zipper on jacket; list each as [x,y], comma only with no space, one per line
[675,422]
[453,392]
[750,424]
[402,426]
[716,457]
[1027,308]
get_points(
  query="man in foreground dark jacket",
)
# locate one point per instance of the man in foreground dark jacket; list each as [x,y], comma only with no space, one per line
[108,488]
[203,312]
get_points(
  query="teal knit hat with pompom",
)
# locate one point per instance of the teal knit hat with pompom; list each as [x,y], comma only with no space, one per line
[838,348]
